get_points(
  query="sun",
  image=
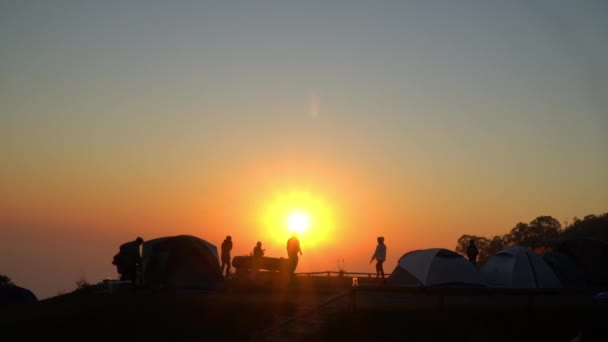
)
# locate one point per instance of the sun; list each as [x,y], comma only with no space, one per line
[308,215]
[298,221]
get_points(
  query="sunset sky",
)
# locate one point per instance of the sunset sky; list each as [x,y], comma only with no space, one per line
[416,120]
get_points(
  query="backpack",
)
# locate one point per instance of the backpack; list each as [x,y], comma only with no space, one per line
[116,259]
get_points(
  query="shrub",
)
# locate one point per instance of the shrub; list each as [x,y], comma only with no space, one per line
[82,283]
[5,280]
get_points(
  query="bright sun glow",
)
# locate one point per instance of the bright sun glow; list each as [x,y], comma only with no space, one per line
[298,222]
[299,212]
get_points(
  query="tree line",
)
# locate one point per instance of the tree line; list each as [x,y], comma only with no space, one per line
[537,231]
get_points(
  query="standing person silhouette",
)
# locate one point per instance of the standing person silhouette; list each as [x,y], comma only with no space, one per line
[472,252]
[380,257]
[293,249]
[226,248]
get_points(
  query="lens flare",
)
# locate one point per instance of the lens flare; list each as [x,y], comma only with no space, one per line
[314,106]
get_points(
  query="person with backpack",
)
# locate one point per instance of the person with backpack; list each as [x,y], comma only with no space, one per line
[128,259]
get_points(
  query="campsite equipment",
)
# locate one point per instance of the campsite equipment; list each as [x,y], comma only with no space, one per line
[182,261]
[246,263]
[518,267]
[119,286]
[434,267]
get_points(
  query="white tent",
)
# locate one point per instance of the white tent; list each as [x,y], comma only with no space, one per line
[434,267]
[518,267]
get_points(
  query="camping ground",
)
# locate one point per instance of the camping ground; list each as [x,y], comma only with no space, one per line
[308,308]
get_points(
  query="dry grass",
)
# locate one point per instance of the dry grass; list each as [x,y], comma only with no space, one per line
[245,308]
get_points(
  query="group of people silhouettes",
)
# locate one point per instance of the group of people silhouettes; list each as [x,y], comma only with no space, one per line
[293,252]
[128,261]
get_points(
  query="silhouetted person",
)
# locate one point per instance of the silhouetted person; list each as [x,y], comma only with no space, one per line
[380,257]
[258,251]
[293,249]
[226,248]
[472,252]
[128,259]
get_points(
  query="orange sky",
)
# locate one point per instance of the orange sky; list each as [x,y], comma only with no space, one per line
[63,231]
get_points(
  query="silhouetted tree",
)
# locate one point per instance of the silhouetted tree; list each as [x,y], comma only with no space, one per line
[540,229]
[496,245]
[5,280]
[516,235]
[546,227]
[591,226]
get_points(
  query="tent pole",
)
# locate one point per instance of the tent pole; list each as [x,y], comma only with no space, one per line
[533,270]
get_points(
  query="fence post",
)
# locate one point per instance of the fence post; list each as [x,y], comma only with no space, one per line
[352,302]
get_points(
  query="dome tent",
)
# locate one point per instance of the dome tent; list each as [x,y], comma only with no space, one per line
[566,270]
[591,257]
[11,294]
[182,261]
[518,267]
[434,267]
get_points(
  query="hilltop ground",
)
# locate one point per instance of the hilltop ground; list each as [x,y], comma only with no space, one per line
[264,310]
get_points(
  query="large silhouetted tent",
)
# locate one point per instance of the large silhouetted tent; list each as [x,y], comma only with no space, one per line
[518,267]
[12,295]
[434,267]
[591,257]
[566,270]
[182,261]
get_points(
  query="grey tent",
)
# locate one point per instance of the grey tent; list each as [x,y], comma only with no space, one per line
[434,267]
[11,294]
[518,267]
[566,270]
[590,256]
[182,261]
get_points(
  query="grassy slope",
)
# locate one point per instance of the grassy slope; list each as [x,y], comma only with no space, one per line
[460,325]
[243,309]
[144,316]
[236,312]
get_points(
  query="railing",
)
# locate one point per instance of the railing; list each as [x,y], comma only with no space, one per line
[338,273]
